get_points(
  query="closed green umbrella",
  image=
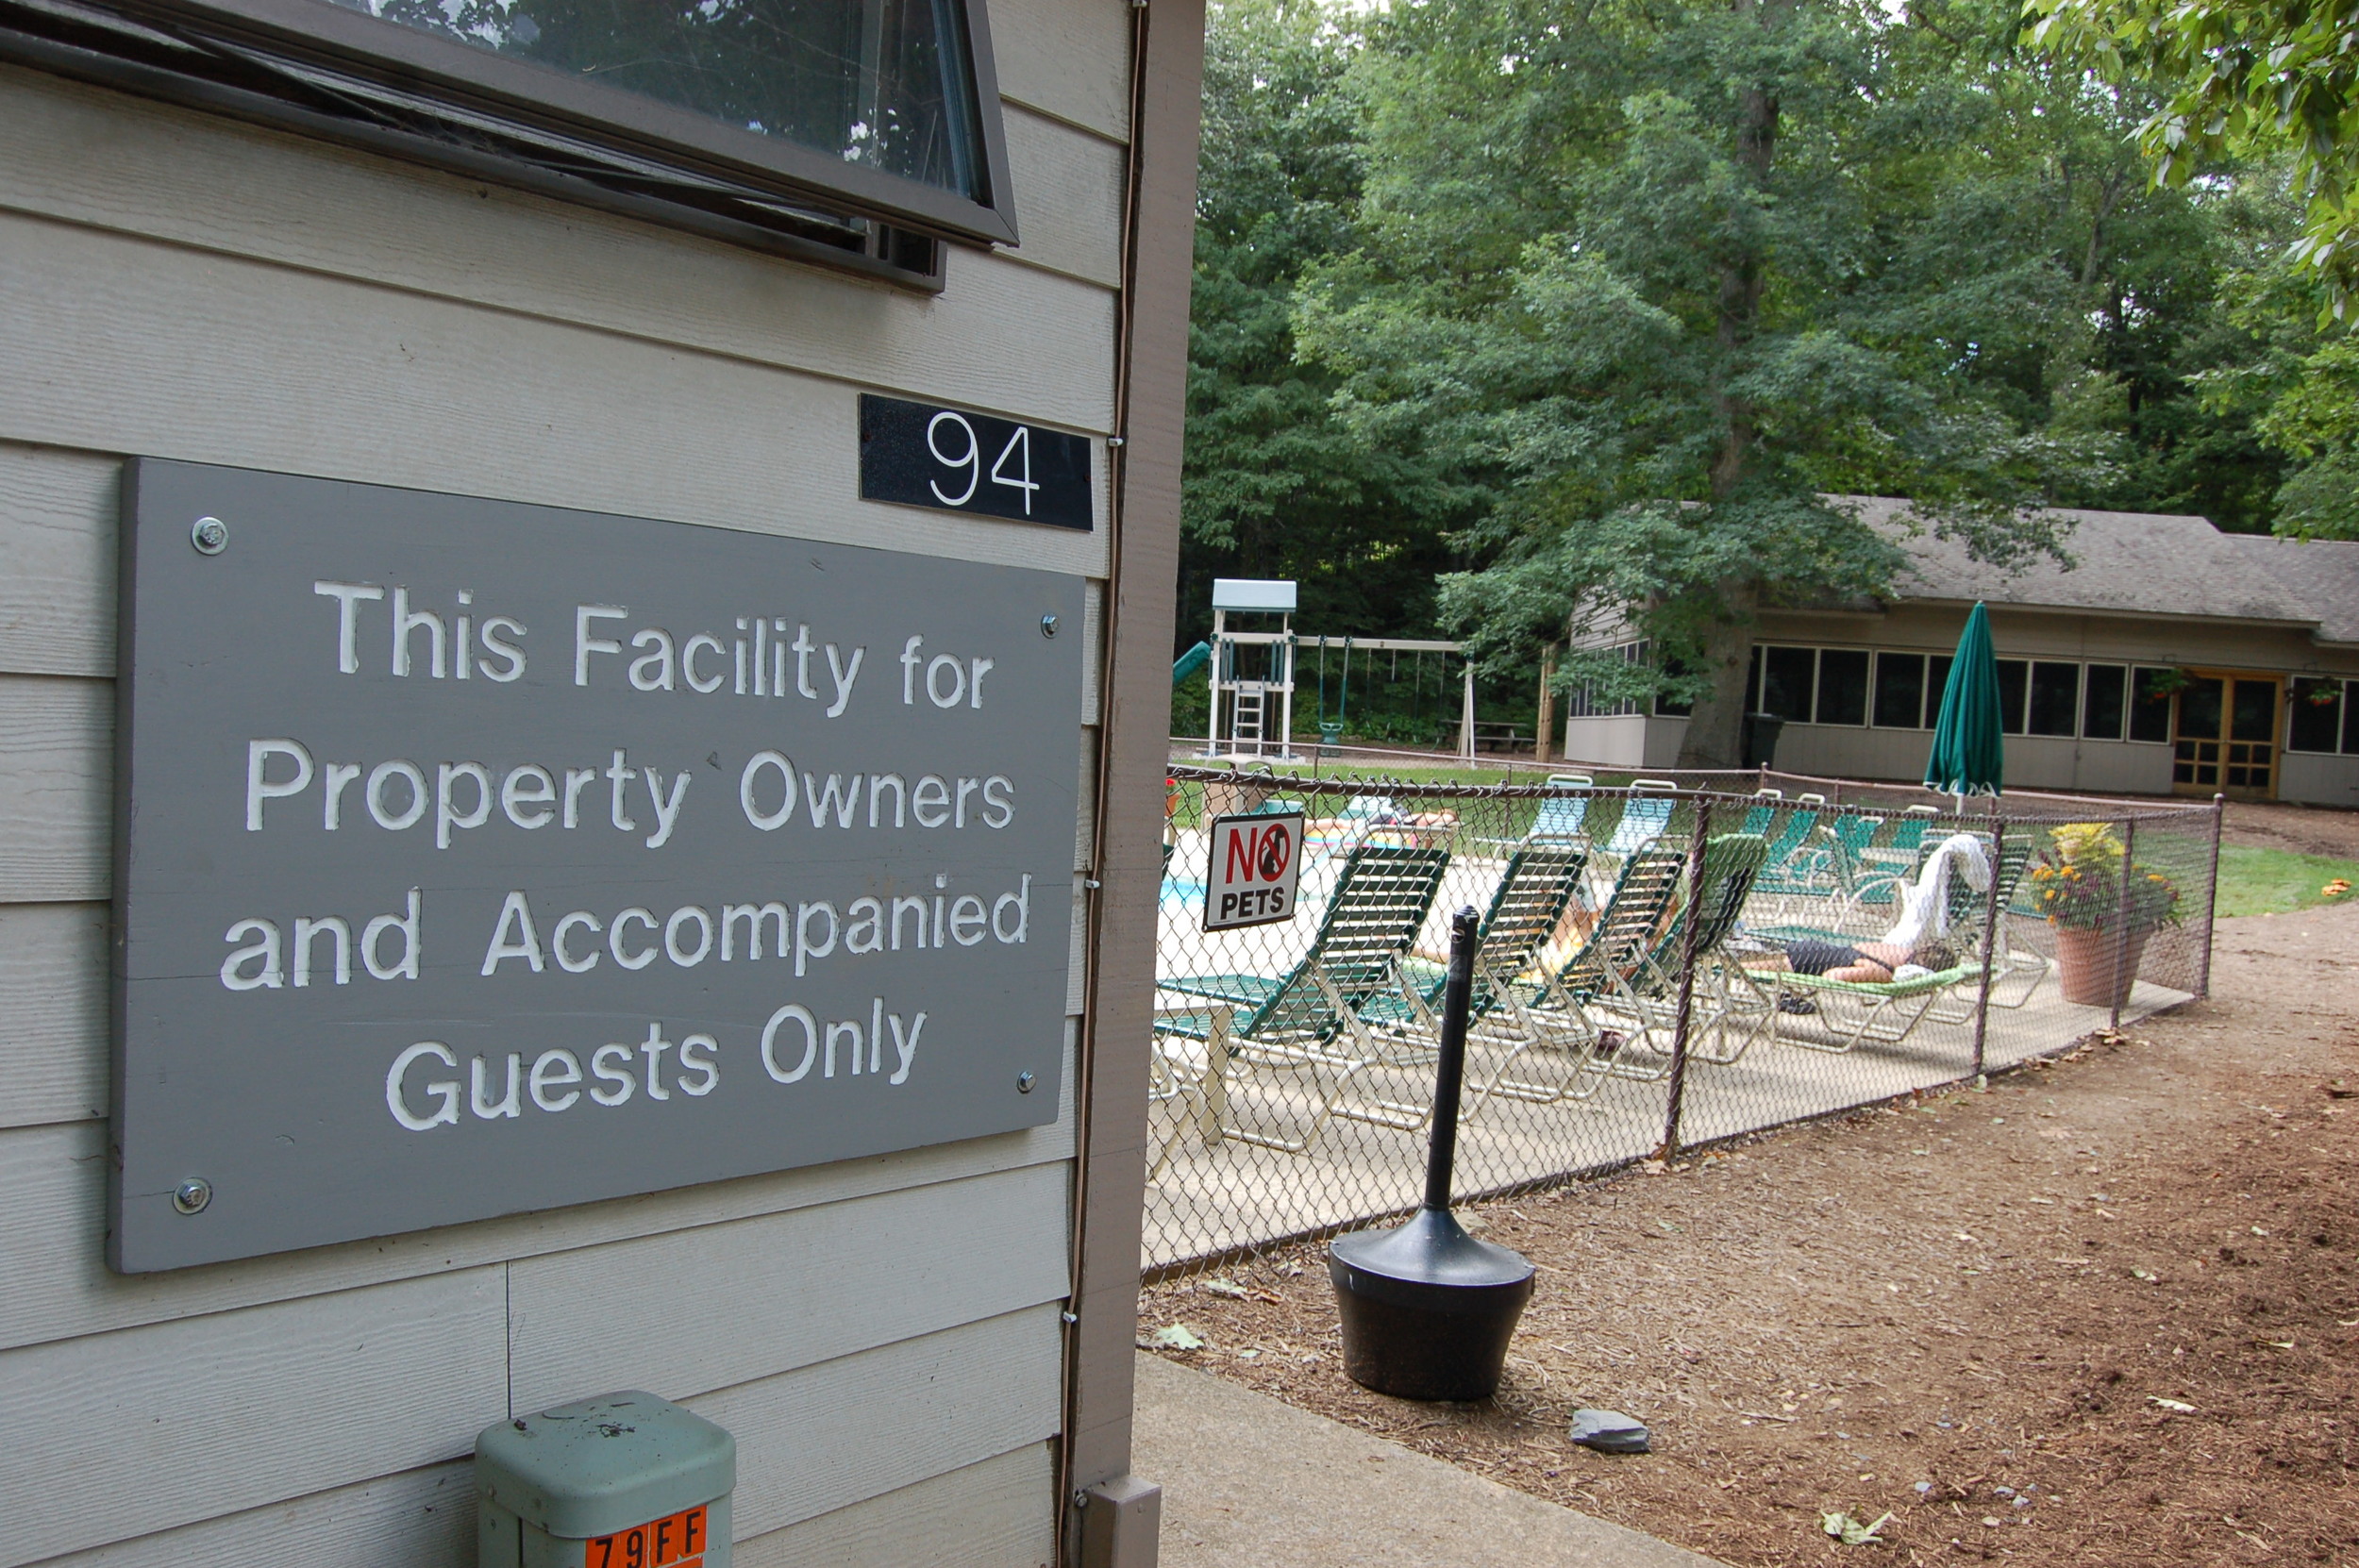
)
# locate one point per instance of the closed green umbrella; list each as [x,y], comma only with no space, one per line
[1969,756]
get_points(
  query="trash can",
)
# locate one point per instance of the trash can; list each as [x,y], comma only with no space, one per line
[625,1480]
[1761,739]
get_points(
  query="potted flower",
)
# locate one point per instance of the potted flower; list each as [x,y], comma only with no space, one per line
[2101,923]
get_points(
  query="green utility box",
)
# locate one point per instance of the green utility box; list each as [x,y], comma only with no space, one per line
[625,1480]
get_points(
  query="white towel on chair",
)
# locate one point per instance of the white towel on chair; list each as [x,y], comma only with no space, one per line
[1925,908]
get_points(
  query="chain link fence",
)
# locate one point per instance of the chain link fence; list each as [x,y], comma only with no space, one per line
[1665,963]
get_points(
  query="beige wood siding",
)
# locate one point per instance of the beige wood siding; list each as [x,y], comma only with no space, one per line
[882,1335]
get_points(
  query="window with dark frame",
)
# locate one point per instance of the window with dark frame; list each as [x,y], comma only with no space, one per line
[2316,723]
[1665,706]
[861,133]
[2055,708]
[2101,701]
[1900,691]
[1842,686]
[2013,679]
[2351,718]
[1936,685]
[1788,683]
[2150,703]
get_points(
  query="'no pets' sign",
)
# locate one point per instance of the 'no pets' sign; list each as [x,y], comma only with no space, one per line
[1255,861]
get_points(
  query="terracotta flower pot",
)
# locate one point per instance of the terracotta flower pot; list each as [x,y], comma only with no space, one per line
[2096,966]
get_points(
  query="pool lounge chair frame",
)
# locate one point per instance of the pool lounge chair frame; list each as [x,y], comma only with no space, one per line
[1308,1020]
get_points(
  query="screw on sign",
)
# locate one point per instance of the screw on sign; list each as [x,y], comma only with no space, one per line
[678,1541]
[1255,863]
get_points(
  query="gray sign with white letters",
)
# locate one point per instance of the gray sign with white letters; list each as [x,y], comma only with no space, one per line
[473,857]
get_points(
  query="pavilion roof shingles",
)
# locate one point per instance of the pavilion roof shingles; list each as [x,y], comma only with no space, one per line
[2147,563]
[2322,573]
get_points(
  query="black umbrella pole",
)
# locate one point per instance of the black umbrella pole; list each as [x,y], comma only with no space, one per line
[1450,1074]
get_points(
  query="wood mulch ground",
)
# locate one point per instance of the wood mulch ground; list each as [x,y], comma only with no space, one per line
[2105,1312]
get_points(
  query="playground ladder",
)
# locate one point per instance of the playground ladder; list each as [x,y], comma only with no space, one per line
[1246,716]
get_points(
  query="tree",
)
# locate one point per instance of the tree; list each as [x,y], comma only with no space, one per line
[1275,484]
[2298,384]
[2248,77]
[1660,277]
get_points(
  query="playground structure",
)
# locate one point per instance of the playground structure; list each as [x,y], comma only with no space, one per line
[1253,673]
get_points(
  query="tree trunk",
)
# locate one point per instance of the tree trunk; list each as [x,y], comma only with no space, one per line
[1715,731]
[1545,726]
[1715,727]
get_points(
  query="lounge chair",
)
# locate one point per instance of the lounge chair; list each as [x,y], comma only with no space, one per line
[1307,1020]
[1821,863]
[1842,1014]
[1562,816]
[1643,819]
[1537,887]
[1649,993]
[1882,865]
[1551,1012]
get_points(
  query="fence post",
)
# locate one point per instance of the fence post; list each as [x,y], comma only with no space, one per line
[2211,915]
[1680,1018]
[1992,915]
[2121,918]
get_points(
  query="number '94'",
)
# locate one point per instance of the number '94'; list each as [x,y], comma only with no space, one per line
[971,458]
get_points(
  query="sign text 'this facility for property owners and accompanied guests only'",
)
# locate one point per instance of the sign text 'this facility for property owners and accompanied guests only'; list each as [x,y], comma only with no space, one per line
[474,857]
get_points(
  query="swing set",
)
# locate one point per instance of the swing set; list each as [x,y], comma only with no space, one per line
[1253,672]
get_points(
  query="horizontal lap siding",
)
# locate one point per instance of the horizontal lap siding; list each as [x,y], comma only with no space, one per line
[56,1285]
[824,1437]
[53,1013]
[159,349]
[1067,58]
[741,1301]
[415,1519]
[114,1435]
[1006,334]
[55,767]
[882,1335]
[58,535]
[979,1516]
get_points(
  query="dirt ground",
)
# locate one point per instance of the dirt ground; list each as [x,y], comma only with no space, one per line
[2303,830]
[2100,1312]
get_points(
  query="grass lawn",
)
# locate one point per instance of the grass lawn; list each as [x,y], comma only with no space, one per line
[2271,881]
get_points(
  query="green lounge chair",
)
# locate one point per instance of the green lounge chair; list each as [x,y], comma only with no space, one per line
[1844,1015]
[1553,1013]
[1537,886]
[1308,1020]
[1649,994]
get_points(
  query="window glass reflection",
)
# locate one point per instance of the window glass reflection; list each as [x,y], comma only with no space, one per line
[880,83]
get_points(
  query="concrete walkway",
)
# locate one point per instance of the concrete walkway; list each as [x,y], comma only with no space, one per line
[1251,1483]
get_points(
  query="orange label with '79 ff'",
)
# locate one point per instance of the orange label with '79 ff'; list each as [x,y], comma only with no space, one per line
[678,1541]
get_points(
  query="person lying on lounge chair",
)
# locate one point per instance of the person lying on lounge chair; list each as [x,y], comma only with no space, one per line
[1868,962]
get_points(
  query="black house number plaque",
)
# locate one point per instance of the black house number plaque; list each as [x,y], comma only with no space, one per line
[951,460]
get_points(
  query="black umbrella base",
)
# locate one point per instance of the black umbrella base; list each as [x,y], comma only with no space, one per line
[1428,1310]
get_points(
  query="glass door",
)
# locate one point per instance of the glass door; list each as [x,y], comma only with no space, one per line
[2224,739]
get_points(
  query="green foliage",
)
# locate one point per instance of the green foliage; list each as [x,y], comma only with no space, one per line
[2246,77]
[1587,309]
[1275,485]
[1661,279]
[2297,387]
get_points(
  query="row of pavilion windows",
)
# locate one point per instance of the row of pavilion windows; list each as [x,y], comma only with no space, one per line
[2063,698]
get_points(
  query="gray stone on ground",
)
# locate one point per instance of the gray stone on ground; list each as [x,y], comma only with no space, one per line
[1249,1482]
[1608,1432]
